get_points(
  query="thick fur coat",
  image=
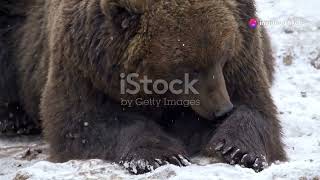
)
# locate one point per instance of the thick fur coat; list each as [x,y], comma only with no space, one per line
[61,61]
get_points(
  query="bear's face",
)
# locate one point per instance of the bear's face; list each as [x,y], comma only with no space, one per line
[170,40]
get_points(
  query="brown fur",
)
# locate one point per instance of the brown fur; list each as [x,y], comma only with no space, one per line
[70,53]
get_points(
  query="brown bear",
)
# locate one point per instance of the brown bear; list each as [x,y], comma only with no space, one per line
[64,64]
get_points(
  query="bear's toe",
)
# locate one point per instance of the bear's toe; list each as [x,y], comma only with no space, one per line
[234,152]
[147,163]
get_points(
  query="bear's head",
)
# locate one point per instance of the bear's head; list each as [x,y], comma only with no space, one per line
[177,41]
[173,41]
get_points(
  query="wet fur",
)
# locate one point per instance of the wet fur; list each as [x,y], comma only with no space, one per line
[62,67]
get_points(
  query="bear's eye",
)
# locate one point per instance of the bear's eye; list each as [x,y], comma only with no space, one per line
[196,72]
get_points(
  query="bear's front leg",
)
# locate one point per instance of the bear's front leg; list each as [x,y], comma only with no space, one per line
[81,122]
[144,147]
[247,138]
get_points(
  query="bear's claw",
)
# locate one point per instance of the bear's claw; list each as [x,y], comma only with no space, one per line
[234,155]
[143,166]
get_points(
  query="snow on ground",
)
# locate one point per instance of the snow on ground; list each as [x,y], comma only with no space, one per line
[294,26]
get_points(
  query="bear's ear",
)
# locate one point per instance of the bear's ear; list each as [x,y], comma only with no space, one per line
[132,6]
[124,13]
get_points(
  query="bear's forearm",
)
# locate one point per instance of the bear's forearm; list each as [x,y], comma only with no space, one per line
[255,126]
[86,125]
[264,126]
[247,137]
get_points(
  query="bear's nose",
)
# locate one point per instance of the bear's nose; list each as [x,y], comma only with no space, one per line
[224,110]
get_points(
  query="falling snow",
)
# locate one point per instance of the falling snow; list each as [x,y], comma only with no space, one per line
[296,92]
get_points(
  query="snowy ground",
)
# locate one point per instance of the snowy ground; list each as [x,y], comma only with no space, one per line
[295,33]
